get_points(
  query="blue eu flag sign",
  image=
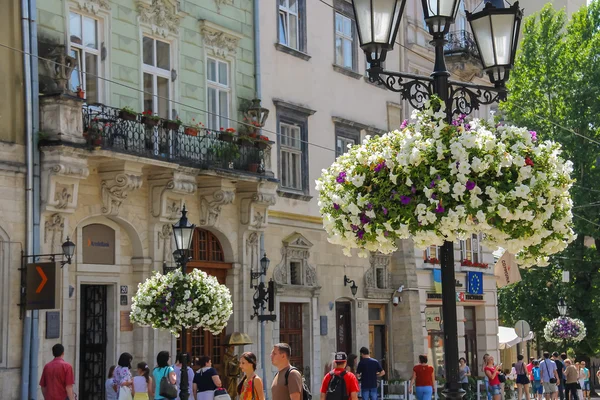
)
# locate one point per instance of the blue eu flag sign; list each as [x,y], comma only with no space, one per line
[475,282]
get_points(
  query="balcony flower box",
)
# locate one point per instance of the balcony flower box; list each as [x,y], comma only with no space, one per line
[469,263]
[149,119]
[262,142]
[226,137]
[245,141]
[431,260]
[127,114]
[172,124]
[190,131]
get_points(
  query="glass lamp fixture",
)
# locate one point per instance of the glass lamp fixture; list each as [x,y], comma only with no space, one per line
[439,15]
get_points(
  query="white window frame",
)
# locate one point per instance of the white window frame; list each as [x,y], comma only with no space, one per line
[345,142]
[81,50]
[156,73]
[219,88]
[286,12]
[466,254]
[343,36]
[286,148]
[433,254]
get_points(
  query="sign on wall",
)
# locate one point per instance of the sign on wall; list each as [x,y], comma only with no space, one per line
[98,244]
[41,290]
[433,319]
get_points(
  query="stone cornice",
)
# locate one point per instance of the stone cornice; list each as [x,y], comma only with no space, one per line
[222,41]
[162,16]
[354,124]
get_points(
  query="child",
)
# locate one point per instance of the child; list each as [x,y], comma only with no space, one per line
[142,388]
[109,387]
[537,380]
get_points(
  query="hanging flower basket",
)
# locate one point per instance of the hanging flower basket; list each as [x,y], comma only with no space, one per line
[564,329]
[195,300]
[437,182]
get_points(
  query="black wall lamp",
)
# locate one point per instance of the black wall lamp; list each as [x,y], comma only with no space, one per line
[265,293]
[353,287]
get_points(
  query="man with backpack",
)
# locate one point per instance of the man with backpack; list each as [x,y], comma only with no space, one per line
[287,384]
[339,384]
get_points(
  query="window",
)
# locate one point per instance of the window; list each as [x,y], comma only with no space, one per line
[344,41]
[206,247]
[85,47]
[218,93]
[295,273]
[291,156]
[470,249]
[289,23]
[380,278]
[432,253]
[341,145]
[345,135]
[157,76]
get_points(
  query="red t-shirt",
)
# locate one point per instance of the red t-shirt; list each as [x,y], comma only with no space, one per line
[57,375]
[529,369]
[424,375]
[493,381]
[349,379]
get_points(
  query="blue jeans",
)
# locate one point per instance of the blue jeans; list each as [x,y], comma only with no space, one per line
[369,394]
[487,388]
[424,392]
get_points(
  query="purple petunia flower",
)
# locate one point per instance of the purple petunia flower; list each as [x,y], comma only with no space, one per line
[432,185]
[440,208]
[413,190]
[438,178]
[468,127]
[386,233]
[380,166]
[470,185]
[404,200]
[434,196]
[369,206]
[360,234]
[341,177]
[354,227]
[533,135]
[336,206]
[364,219]
[404,124]
[384,210]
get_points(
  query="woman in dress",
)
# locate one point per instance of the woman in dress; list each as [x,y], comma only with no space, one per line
[163,369]
[142,383]
[251,386]
[206,380]
[423,379]
[492,373]
[122,375]
[464,372]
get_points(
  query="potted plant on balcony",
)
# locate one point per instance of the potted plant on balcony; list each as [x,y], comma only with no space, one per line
[193,128]
[94,134]
[149,119]
[172,124]
[227,135]
[128,114]
[245,140]
[251,127]
[80,92]
[262,142]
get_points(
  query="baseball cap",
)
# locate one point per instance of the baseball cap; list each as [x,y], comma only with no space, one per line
[340,357]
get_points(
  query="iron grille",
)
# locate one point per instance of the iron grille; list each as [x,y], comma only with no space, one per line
[93,342]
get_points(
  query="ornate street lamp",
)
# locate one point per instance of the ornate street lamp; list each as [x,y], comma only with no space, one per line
[496,28]
[256,113]
[562,307]
[183,232]
[68,249]
[353,287]
[264,293]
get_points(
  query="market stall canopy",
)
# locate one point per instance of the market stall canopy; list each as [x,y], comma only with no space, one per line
[508,337]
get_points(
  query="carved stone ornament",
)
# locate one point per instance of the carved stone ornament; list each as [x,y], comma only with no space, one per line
[167,192]
[295,248]
[222,41]
[165,236]
[222,2]
[379,264]
[93,6]
[252,251]
[210,206]
[254,208]
[161,15]
[61,174]
[53,229]
[116,189]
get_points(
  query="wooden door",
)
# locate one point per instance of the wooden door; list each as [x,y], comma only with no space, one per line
[290,331]
[343,312]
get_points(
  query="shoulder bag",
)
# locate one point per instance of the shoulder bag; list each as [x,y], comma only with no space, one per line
[166,388]
[552,380]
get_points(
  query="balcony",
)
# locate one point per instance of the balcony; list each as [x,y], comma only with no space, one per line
[107,128]
[462,55]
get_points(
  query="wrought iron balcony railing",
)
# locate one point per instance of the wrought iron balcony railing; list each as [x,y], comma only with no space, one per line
[461,43]
[112,129]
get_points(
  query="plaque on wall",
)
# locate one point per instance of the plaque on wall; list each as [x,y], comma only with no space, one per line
[123,299]
[126,325]
[52,324]
[98,244]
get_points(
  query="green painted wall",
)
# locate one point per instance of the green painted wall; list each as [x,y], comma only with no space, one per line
[123,66]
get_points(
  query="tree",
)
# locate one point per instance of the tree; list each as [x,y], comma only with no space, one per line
[555,90]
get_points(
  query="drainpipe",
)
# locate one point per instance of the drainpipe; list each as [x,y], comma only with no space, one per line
[257,75]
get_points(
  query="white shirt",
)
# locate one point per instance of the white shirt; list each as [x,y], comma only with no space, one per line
[108,388]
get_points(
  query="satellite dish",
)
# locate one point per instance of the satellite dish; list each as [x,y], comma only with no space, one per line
[522,329]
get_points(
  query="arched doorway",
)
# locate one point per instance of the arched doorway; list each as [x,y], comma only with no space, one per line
[207,255]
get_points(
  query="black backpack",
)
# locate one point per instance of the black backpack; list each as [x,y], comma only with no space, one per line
[306,394]
[337,387]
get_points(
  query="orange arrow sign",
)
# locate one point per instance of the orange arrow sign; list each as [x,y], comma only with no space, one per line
[44,279]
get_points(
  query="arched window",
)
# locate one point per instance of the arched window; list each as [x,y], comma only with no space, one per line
[206,247]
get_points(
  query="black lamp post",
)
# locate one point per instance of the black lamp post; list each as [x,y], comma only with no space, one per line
[183,233]
[353,287]
[496,28]
[562,307]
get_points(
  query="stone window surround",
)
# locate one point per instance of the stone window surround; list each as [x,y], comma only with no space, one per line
[344,8]
[103,17]
[350,124]
[301,52]
[91,268]
[294,114]
[346,131]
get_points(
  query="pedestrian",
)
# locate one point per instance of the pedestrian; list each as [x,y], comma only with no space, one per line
[368,370]
[206,380]
[485,378]
[57,377]
[579,381]
[162,370]
[560,369]
[571,381]
[530,368]
[549,377]
[109,385]
[142,383]
[287,384]
[584,376]
[422,380]
[537,380]
[339,384]
[464,372]
[522,378]
[251,386]
[190,373]
[492,373]
[122,375]
[351,365]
